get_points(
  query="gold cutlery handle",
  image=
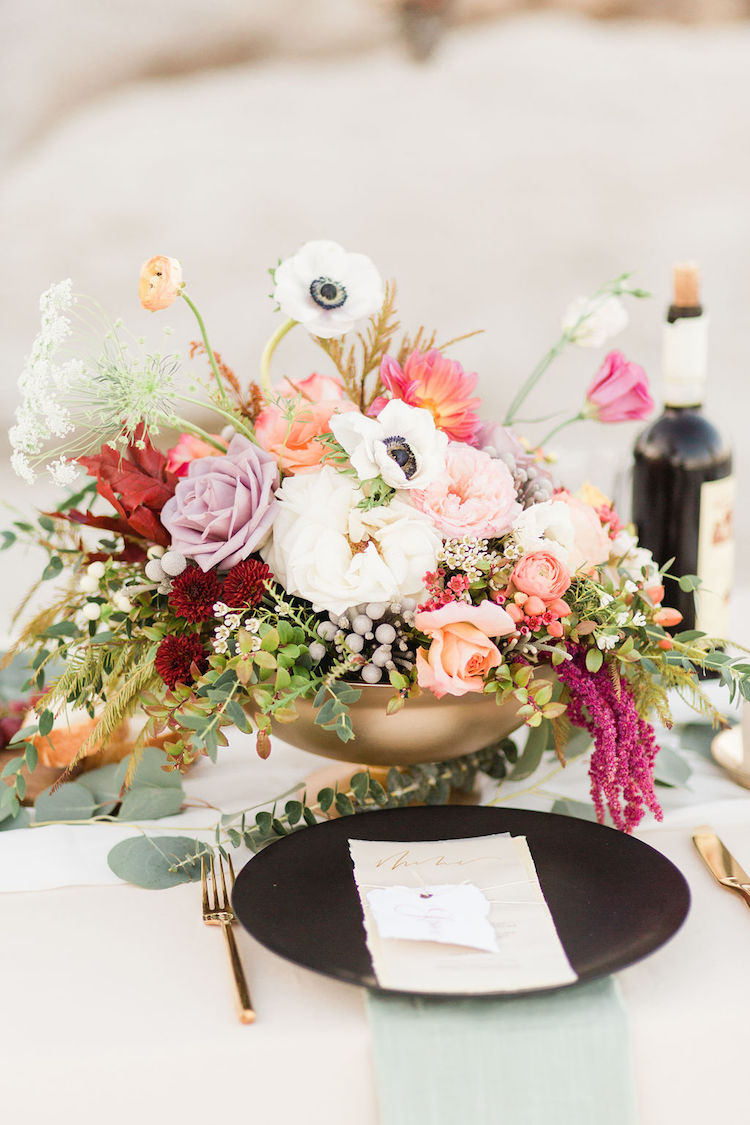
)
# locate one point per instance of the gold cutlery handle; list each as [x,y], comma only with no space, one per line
[244,1003]
[744,891]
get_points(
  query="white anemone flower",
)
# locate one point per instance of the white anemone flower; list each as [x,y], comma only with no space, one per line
[327,289]
[594,320]
[325,548]
[402,445]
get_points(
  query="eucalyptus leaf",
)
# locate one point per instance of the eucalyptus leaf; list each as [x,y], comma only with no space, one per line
[72,801]
[8,802]
[147,802]
[22,820]
[149,770]
[581,809]
[535,746]
[104,785]
[670,768]
[158,862]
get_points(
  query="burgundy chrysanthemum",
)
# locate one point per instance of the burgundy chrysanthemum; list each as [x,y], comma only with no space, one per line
[194,594]
[174,657]
[245,584]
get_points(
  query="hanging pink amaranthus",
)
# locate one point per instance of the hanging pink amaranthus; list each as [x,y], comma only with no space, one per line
[622,763]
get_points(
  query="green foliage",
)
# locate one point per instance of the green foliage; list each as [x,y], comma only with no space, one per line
[158,862]
[427,783]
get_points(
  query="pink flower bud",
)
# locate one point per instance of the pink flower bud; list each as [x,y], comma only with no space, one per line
[619,391]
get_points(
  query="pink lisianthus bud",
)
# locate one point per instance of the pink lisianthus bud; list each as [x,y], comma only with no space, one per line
[619,391]
[188,448]
[160,283]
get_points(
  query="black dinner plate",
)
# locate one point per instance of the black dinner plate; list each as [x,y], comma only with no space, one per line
[614,899]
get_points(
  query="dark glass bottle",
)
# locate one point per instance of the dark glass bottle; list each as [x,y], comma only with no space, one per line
[683,489]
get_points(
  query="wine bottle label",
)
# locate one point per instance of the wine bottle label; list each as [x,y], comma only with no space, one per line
[715,556]
[684,361]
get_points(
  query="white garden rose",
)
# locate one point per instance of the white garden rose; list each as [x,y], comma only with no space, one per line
[326,549]
[327,289]
[600,318]
[546,527]
[402,445]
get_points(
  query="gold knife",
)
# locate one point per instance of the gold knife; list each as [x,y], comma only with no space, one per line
[720,862]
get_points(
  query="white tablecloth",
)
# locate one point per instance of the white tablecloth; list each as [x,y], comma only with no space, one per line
[117,1002]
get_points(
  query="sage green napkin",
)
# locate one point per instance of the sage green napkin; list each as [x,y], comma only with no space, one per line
[558,1058]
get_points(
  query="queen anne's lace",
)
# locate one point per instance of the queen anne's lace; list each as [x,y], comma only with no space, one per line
[72,405]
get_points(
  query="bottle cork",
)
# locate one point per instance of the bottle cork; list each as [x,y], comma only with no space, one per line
[686,281]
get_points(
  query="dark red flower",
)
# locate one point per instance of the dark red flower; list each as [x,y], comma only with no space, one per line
[194,593]
[245,584]
[174,657]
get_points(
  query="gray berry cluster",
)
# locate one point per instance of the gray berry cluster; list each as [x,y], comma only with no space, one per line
[534,484]
[377,632]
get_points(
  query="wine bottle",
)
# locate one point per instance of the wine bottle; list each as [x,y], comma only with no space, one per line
[683,488]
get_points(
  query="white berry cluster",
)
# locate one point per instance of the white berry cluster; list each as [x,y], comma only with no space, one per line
[374,632]
[163,566]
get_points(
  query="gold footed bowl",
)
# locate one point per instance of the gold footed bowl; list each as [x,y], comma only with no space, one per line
[426,729]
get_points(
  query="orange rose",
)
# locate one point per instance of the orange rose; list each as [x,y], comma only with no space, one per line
[541,575]
[460,653]
[160,283]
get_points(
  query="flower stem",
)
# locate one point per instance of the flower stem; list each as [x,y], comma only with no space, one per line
[207,346]
[204,435]
[239,426]
[270,348]
[534,378]
[556,430]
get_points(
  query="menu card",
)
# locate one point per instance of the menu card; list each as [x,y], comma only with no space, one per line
[464,916]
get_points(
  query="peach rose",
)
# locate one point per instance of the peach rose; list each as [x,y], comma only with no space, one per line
[541,575]
[591,544]
[293,442]
[188,448]
[160,283]
[461,652]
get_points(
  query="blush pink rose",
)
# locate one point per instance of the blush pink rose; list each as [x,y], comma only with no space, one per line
[618,392]
[187,449]
[542,575]
[474,496]
[461,652]
[293,443]
[591,544]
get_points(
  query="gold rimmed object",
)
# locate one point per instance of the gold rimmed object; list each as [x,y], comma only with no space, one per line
[217,911]
[721,863]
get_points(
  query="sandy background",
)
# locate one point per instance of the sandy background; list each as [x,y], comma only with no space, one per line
[535,156]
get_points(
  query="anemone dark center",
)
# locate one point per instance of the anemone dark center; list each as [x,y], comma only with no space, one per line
[399,450]
[327,293]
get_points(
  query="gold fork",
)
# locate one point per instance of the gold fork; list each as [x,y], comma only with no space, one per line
[217,911]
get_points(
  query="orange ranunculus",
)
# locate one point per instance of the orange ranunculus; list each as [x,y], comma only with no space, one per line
[461,652]
[542,575]
[160,282]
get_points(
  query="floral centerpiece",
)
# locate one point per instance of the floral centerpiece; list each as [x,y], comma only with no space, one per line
[368,526]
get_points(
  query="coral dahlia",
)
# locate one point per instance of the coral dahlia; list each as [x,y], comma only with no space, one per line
[245,584]
[437,384]
[194,593]
[176,655]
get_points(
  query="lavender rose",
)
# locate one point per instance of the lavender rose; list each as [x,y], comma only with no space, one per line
[223,509]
